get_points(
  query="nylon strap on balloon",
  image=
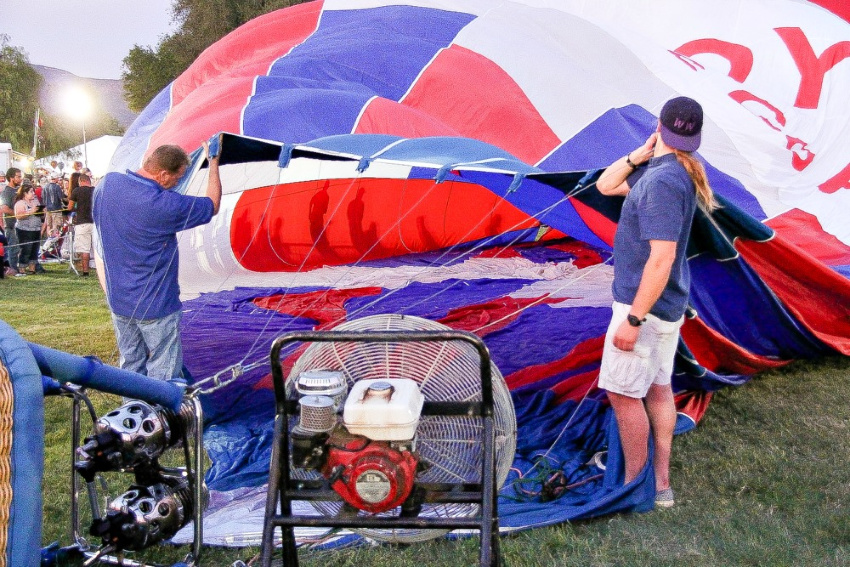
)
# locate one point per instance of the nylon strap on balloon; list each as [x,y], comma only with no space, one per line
[214,146]
[515,183]
[364,164]
[285,156]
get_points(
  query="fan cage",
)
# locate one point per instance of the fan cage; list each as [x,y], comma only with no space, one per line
[444,371]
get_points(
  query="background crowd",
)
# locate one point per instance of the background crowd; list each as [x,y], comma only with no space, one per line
[40,214]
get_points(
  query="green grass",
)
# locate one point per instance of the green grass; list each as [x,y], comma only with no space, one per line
[762,481]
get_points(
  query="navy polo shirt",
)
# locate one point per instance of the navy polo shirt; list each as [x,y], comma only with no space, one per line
[659,206]
[137,223]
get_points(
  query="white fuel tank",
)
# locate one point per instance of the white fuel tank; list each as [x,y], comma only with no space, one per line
[384,409]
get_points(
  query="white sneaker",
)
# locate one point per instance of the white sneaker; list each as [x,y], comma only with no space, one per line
[664,498]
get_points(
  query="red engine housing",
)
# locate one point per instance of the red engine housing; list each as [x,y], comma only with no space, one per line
[375,477]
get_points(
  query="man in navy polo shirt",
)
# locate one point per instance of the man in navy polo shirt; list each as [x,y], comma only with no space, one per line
[137,218]
[663,183]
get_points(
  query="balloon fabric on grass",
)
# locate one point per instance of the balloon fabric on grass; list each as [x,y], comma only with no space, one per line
[438,158]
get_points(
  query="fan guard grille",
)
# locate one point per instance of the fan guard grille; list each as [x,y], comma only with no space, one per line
[445,371]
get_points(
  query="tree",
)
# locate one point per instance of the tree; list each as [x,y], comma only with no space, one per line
[201,23]
[146,72]
[19,84]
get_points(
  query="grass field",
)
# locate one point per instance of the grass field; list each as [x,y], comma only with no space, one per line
[762,481]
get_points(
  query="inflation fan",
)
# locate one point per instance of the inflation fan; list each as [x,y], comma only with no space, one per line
[396,427]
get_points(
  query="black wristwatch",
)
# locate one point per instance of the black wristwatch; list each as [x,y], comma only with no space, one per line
[634,321]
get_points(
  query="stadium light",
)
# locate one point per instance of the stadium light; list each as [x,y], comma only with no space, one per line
[78,105]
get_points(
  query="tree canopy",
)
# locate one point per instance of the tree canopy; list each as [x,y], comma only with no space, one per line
[19,84]
[147,70]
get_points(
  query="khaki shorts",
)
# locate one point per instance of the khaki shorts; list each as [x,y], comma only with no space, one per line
[631,373]
[82,238]
[54,220]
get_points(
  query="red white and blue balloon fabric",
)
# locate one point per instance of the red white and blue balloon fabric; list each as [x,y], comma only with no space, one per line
[406,158]
[529,76]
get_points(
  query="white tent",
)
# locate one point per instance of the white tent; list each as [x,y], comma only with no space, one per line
[96,155]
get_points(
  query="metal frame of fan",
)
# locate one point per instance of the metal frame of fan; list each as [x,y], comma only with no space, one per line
[466,434]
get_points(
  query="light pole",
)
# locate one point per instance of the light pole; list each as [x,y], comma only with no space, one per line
[78,105]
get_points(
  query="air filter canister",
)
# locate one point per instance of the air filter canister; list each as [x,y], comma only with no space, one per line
[318,414]
[329,383]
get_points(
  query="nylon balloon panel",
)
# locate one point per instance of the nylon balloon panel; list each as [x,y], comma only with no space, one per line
[365,219]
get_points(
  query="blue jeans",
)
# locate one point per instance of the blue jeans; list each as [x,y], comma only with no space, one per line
[150,346]
[12,250]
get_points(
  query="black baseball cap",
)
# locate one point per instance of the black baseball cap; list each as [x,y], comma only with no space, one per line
[681,123]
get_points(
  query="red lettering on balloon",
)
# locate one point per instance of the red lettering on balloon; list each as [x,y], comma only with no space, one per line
[745,96]
[840,181]
[801,156]
[812,68]
[740,57]
[694,65]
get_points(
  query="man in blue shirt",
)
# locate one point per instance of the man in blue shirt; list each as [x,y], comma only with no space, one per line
[137,218]
[662,183]
[52,198]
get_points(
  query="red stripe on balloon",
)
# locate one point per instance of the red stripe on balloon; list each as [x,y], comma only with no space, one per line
[210,95]
[306,225]
[576,387]
[586,352]
[840,8]
[694,404]
[478,99]
[326,307]
[491,316]
[602,226]
[816,295]
[718,354]
[214,108]
[383,116]
[805,231]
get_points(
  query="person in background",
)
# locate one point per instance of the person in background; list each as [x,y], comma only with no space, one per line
[63,183]
[3,265]
[137,218]
[14,178]
[52,196]
[39,269]
[663,183]
[28,227]
[80,202]
[36,182]
[73,183]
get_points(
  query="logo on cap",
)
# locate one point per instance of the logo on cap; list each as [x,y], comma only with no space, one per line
[681,123]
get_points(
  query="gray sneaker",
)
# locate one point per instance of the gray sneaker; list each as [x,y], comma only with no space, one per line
[664,498]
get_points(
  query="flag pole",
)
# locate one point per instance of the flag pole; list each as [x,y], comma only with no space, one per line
[35,135]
